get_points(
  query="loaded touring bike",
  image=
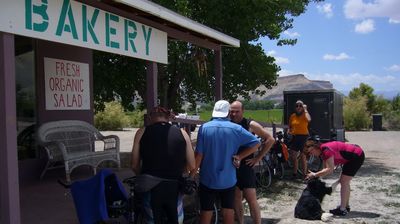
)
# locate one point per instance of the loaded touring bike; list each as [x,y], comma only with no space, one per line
[273,163]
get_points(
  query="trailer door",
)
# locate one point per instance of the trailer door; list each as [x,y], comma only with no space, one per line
[321,115]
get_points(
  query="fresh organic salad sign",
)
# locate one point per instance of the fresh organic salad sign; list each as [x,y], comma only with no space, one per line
[67,85]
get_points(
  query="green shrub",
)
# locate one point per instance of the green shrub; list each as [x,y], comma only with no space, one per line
[356,115]
[136,118]
[391,120]
[112,118]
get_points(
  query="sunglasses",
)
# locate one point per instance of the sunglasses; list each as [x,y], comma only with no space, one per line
[299,105]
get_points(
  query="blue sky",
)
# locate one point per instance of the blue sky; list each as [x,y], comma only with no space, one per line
[345,42]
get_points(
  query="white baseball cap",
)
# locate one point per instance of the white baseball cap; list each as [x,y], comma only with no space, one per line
[221,109]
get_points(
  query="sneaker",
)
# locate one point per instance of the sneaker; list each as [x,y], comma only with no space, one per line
[348,208]
[339,212]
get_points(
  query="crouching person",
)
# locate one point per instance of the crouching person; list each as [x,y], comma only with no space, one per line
[351,156]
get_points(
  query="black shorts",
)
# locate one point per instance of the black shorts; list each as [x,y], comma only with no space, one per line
[352,166]
[208,197]
[297,143]
[164,200]
[246,178]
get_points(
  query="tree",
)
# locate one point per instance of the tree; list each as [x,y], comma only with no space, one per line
[117,77]
[355,114]
[364,90]
[396,103]
[244,68]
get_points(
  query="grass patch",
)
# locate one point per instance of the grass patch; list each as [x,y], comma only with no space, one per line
[268,116]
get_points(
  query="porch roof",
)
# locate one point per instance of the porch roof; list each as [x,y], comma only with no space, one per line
[161,15]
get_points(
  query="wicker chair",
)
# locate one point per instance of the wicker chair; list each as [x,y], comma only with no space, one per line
[72,143]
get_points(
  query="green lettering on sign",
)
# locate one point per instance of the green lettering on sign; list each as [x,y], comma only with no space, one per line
[89,25]
[130,36]
[39,10]
[111,30]
[62,26]
[147,36]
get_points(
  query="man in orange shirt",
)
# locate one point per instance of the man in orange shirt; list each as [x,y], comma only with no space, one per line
[298,128]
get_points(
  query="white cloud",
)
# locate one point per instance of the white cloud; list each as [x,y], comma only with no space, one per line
[394,68]
[331,57]
[393,21]
[278,60]
[281,60]
[325,9]
[358,9]
[365,26]
[291,35]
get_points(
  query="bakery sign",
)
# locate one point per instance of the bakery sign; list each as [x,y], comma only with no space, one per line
[67,85]
[74,23]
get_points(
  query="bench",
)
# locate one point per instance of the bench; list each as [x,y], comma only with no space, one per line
[73,143]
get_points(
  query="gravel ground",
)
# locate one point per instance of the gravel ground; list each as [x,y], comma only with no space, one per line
[375,193]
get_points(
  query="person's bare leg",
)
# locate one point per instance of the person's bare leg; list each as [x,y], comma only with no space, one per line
[239,205]
[293,155]
[304,163]
[205,217]
[344,190]
[227,215]
[251,198]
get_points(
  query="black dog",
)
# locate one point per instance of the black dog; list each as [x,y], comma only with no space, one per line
[309,205]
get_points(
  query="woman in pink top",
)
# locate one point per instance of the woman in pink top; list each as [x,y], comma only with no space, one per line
[337,153]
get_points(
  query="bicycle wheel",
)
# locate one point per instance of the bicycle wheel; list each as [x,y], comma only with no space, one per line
[264,177]
[215,217]
[277,167]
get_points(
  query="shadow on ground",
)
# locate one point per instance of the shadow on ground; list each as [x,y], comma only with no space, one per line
[359,214]
[373,168]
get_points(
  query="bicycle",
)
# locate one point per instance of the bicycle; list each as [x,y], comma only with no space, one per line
[272,164]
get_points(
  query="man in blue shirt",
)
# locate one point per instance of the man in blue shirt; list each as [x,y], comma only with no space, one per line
[218,142]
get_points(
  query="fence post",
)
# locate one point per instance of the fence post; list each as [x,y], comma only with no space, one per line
[274,130]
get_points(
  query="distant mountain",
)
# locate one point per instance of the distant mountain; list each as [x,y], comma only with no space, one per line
[292,82]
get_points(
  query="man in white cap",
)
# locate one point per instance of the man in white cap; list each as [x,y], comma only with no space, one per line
[218,142]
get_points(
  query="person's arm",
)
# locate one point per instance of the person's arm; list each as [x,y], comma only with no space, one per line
[246,152]
[328,169]
[269,141]
[198,159]
[308,116]
[289,131]
[198,154]
[136,151]
[190,161]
